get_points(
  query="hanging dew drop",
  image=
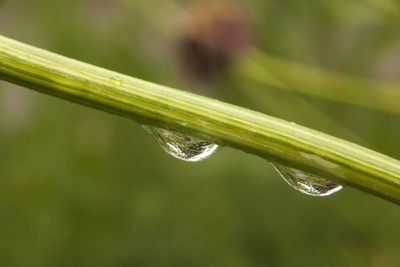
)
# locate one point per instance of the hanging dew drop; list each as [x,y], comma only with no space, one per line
[307,183]
[181,146]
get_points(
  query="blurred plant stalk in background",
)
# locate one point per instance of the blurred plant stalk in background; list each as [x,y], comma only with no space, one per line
[284,74]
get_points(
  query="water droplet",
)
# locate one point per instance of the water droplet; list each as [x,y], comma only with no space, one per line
[307,183]
[181,146]
[116,80]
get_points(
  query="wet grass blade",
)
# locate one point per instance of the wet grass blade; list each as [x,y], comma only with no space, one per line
[151,104]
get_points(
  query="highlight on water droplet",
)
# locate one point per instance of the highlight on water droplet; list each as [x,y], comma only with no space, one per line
[307,183]
[181,146]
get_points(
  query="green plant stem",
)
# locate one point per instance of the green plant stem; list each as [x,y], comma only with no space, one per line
[307,80]
[148,103]
[277,105]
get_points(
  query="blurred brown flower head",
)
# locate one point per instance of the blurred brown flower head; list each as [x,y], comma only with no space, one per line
[213,35]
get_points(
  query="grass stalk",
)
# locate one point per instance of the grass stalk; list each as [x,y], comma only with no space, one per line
[152,104]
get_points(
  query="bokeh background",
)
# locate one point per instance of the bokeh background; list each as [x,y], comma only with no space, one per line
[80,187]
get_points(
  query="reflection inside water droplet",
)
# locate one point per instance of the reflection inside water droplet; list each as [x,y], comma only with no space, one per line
[307,183]
[181,146]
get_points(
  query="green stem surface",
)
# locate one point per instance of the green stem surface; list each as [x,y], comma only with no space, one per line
[152,104]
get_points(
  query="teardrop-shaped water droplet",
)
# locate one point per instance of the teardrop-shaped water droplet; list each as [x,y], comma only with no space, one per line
[182,146]
[307,183]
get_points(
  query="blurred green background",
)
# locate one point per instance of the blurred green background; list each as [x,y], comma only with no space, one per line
[80,187]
